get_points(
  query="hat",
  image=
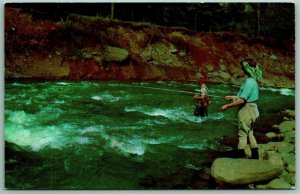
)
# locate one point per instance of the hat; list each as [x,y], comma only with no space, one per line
[254,72]
[202,80]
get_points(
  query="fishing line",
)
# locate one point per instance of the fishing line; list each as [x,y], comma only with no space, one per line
[164,89]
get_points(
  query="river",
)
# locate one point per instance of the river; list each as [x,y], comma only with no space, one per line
[115,135]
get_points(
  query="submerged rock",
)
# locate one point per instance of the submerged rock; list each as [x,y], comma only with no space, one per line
[245,171]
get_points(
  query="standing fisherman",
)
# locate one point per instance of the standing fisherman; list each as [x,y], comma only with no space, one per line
[246,100]
[202,99]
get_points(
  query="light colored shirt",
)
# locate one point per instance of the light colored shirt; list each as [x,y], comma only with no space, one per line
[249,91]
[203,90]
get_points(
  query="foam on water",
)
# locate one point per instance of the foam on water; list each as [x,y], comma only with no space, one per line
[59,101]
[106,96]
[92,129]
[21,84]
[134,145]
[287,92]
[24,129]
[151,122]
[49,113]
[62,83]
[28,102]
[191,166]
[161,140]
[282,91]
[35,137]
[19,117]
[193,146]
[97,98]
[176,114]
[167,113]
[83,140]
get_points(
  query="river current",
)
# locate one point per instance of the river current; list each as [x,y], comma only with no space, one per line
[111,135]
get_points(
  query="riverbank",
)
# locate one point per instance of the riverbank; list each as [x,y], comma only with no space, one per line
[128,51]
[275,168]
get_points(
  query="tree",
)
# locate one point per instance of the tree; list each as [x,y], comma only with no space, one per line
[112,9]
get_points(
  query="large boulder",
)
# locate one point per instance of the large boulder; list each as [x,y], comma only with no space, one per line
[115,54]
[245,171]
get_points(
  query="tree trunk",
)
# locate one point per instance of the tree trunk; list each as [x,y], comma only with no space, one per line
[195,24]
[132,15]
[258,19]
[112,9]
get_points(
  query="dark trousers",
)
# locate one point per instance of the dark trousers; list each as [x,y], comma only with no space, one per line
[200,111]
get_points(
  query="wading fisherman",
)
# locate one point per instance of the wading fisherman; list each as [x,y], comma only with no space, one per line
[246,100]
[203,100]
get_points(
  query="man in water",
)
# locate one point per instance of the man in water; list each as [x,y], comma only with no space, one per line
[202,99]
[246,100]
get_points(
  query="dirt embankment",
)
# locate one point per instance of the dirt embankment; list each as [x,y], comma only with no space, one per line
[82,48]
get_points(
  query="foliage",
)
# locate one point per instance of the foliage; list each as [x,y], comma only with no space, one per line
[267,19]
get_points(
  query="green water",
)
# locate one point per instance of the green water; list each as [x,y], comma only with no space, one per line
[111,135]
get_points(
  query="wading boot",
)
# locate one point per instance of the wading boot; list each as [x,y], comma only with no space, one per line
[254,153]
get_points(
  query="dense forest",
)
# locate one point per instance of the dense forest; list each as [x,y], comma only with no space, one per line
[265,19]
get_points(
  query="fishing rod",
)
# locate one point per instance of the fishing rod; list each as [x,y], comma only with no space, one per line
[179,91]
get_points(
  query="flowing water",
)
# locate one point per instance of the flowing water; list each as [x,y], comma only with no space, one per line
[111,135]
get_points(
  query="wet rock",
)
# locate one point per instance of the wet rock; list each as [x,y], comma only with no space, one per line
[289,162]
[147,55]
[182,53]
[287,126]
[290,148]
[279,184]
[173,50]
[276,146]
[288,177]
[205,174]
[271,135]
[245,171]
[210,67]
[289,137]
[261,187]
[290,113]
[273,58]
[115,54]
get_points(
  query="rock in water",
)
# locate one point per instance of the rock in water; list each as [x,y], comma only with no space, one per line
[245,171]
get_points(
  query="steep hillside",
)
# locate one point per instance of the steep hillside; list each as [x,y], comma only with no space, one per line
[91,48]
